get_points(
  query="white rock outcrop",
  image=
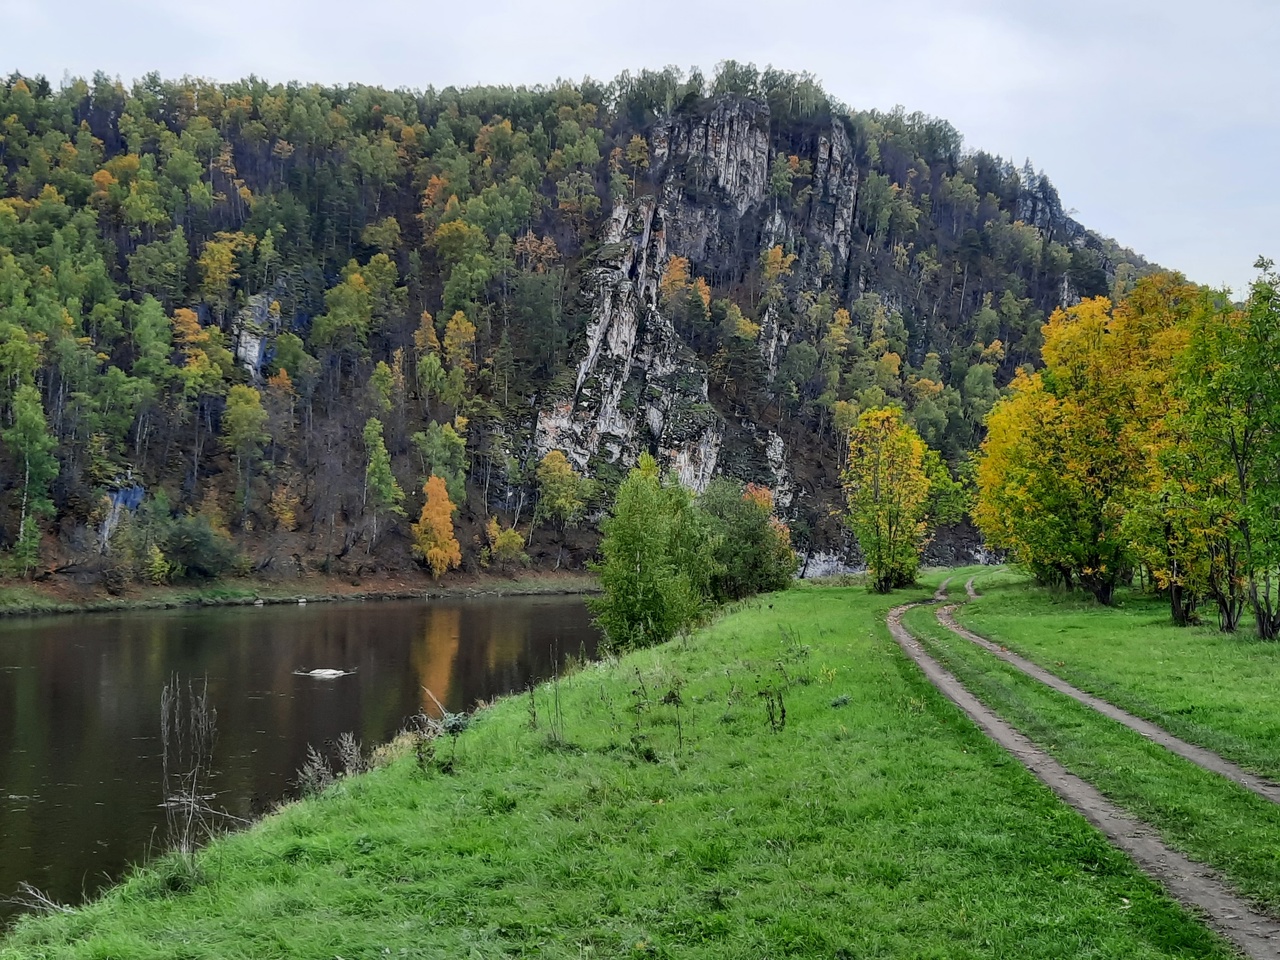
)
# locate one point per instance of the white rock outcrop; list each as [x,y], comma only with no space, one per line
[638,387]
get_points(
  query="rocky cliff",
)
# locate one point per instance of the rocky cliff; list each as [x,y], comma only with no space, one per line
[708,198]
[638,387]
[503,260]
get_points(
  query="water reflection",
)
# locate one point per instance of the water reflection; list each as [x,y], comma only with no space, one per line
[433,656]
[79,708]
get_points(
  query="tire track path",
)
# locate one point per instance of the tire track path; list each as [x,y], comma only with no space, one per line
[1201,757]
[1193,885]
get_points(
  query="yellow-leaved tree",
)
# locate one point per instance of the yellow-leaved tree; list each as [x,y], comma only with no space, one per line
[1025,503]
[506,545]
[433,540]
[1069,447]
[886,485]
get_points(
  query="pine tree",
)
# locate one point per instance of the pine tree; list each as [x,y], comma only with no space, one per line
[382,493]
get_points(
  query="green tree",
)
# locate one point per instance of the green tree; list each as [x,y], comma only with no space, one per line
[781,178]
[432,380]
[344,326]
[637,154]
[562,495]
[159,269]
[443,453]
[382,493]
[1227,388]
[1259,368]
[752,550]
[656,562]
[506,546]
[152,343]
[561,491]
[244,432]
[382,386]
[291,355]
[32,446]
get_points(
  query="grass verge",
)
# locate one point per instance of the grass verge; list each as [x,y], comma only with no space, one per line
[1201,814]
[31,600]
[783,783]
[1213,689]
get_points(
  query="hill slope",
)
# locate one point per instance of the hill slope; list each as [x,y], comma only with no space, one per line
[722,272]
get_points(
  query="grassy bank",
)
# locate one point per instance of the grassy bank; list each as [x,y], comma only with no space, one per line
[1210,688]
[1200,813]
[26,599]
[664,805]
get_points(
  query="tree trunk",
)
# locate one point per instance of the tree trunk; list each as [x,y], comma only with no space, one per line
[1182,605]
[1266,617]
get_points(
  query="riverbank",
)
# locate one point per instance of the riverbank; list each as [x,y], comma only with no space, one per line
[28,599]
[783,782]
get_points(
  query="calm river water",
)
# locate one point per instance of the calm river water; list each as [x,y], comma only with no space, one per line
[80,763]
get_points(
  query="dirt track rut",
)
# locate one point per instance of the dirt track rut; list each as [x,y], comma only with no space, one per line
[1192,884]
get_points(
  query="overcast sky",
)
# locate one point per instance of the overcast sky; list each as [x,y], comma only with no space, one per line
[1159,122]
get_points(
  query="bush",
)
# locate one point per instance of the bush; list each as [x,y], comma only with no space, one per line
[752,550]
[196,549]
[506,546]
[155,545]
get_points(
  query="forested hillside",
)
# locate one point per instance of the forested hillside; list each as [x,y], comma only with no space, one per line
[241,324]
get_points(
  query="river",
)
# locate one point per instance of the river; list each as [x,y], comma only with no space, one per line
[80,753]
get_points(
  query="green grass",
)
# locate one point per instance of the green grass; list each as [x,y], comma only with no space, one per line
[25,599]
[1213,689]
[876,823]
[1200,813]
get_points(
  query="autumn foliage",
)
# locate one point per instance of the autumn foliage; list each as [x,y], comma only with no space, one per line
[886,486]
[433,540]
[354,253]
[1149,442]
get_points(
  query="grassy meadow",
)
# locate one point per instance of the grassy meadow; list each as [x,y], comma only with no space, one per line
[783,783]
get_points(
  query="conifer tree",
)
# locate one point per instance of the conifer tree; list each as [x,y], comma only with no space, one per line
[382,492]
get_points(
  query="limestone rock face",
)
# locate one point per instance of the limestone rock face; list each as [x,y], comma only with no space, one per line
[638,387]
[252,330]
[712,172]
[835,179]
